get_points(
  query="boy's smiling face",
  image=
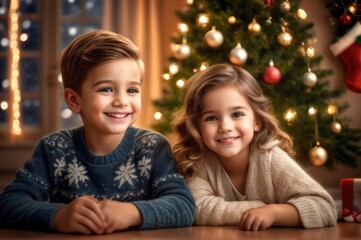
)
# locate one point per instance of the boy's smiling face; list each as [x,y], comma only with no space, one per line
[110,97]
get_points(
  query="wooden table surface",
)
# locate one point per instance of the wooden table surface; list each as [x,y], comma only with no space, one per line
[340,231]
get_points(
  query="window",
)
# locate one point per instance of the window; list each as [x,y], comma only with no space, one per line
[31,102]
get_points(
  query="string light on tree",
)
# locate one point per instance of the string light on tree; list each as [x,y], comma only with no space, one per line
[335,126]
[173,68]
[182,28]
[204,66]
[166,76]
[290,116]
[301,14]
[180,83]
[203,19]
[232,20]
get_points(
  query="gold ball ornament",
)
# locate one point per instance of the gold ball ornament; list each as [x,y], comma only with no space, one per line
[238,55]
[336,127]
[317,155]
[214,38]
[285,38]
[180,51]
[254,27]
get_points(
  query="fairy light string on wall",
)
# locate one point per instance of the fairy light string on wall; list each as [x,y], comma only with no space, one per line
[14,58]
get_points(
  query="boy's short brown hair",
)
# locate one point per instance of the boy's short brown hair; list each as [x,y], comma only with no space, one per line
[91,49]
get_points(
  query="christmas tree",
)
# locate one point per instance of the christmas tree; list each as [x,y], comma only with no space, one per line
[274,42]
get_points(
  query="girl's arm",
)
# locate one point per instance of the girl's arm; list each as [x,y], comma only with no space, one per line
[294,186]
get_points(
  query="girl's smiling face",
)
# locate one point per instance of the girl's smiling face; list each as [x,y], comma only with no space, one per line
[227,122]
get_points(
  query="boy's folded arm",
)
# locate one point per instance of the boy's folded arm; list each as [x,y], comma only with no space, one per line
[24,205]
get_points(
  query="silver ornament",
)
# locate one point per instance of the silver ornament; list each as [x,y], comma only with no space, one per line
[214,38]
[285,6]
[309,79]
[180,51]
[238,55]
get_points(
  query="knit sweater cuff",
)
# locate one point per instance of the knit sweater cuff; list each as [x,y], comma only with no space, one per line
[310,218]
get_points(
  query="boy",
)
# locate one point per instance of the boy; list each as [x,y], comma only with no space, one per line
[106,175]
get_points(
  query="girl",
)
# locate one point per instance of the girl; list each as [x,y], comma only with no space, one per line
[237,160]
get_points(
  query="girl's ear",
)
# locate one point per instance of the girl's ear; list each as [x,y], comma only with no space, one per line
[257,125]
[72,99]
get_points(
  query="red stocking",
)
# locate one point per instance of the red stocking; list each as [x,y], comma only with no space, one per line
[351,57]
[349,52]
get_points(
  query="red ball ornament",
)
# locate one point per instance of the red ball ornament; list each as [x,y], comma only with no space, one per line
[345,19]
[271,75]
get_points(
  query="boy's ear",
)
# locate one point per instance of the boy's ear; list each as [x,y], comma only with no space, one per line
[72,99]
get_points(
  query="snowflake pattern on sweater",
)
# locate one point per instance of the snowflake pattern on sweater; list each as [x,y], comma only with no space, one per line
[140,170]
[71,172]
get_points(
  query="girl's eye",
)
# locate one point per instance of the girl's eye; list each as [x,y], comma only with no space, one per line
[106,89]
[210,118]
[237,115]
[133,90]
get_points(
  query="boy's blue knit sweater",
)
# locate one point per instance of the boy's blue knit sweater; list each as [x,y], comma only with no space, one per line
[140,170]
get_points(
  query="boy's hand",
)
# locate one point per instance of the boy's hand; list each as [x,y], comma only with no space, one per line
[120,215]
[82,215]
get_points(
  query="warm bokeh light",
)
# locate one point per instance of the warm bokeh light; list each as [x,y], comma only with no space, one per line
[301,14]
[312,111]
[203,19]
[166,76]
[173,68]
[204,66]
[290,115]
[180,83]
[157,115]
[332,109]
[14,58]
[182,27]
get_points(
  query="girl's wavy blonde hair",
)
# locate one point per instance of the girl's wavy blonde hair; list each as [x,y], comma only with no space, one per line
[189,146]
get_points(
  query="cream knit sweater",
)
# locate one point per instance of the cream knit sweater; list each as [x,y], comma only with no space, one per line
[273,177]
